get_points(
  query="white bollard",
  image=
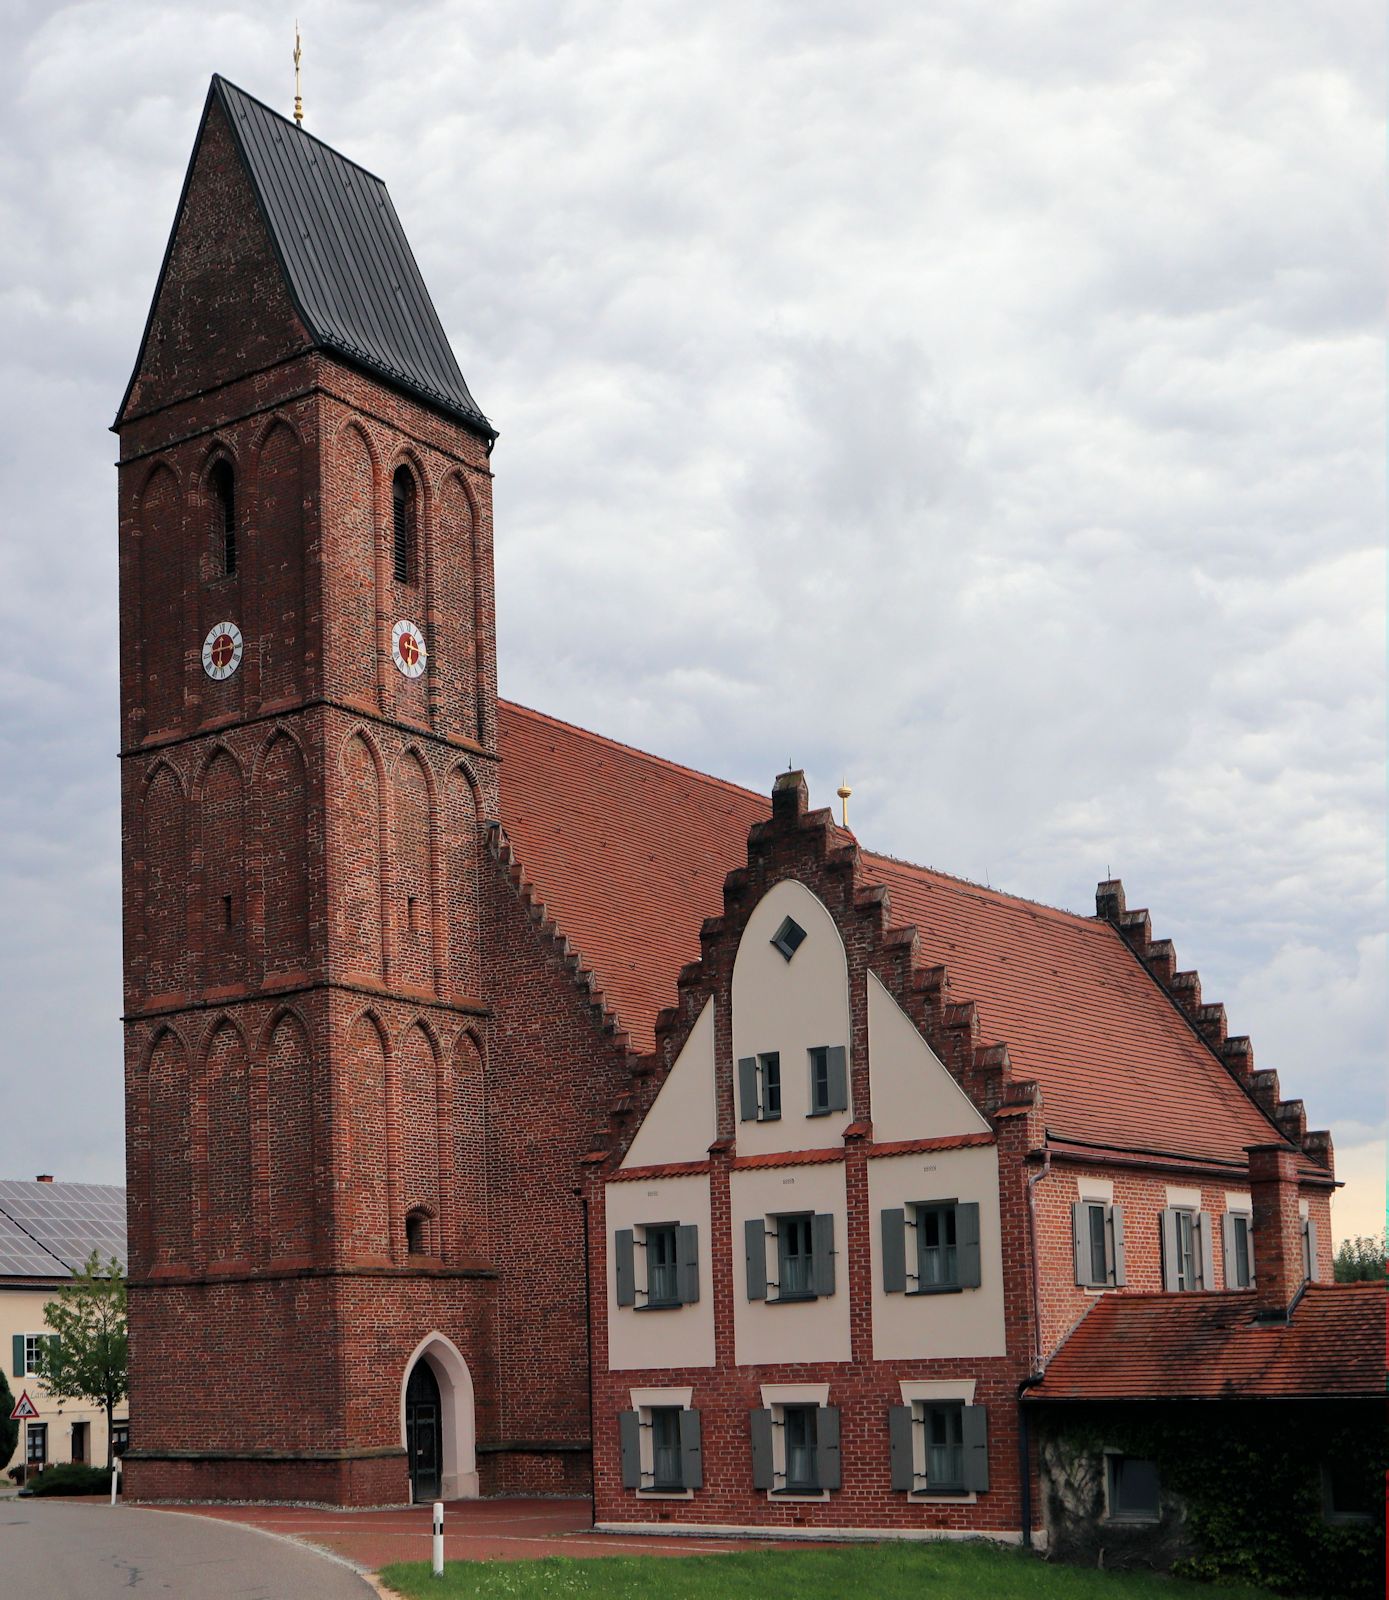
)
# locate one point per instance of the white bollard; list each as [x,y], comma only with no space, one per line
[115,1473]
[438,1538]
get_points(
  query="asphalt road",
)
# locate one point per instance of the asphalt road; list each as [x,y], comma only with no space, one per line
[51,1550]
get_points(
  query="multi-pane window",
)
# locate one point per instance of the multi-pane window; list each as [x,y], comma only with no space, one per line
[665,1448]
[661,1450]
[223,487]
[795,1256]
[1099,1244]
[939,1447]
[803,1268]
[759,1087]
[36,1347]
[829,1082]
[937,1264]
[1186,1248]
[931,1247]
[120,1438]
[1132,1488]
[36,1444]
[798,1423]
[1239,1251]
[662,1282]
[656,1266]
[403,525]
[945,1446]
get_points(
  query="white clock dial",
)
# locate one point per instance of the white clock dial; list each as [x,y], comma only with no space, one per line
[222,650]
[407,649]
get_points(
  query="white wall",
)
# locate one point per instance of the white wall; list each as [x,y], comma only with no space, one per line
[683,1120]
[790,1007]
[910,1327]
[914,1095]
[677,1336]
[803,1330]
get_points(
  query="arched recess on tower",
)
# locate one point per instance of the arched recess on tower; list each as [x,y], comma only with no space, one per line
[458,1475]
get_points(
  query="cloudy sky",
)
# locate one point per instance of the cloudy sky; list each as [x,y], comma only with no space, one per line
[981,403]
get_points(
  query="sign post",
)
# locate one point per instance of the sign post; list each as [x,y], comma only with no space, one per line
[24,1411]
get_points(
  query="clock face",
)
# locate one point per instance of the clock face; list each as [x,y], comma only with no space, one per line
[407,649]
[222,650]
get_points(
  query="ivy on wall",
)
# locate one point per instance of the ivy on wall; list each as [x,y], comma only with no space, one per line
[1242,1491]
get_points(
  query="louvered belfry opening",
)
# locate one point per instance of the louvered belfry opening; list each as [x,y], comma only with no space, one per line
[223,486]
[403,524]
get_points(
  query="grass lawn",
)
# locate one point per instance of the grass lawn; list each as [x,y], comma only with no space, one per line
[936,1571]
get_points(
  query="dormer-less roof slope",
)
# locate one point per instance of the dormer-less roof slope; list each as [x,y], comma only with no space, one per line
[49,1230]
[347,263]
[629,854]
[1211,1347]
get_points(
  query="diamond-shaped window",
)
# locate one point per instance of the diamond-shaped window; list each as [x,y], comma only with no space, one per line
[789,937]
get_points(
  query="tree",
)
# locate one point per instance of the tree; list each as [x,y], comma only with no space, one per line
[88,1360]
[9,1428]
[1362,1258]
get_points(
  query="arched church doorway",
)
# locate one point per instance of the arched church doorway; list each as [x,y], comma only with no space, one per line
[424,1432]
[437,1425]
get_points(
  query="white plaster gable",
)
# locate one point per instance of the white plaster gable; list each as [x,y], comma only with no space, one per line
[914,1096]
[682,1121]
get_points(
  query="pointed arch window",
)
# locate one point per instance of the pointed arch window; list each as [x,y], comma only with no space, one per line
[403,525]
[223,486]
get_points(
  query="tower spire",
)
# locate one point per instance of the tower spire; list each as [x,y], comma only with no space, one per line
[298,97]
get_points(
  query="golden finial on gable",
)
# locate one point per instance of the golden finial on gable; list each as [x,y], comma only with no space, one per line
[298,97]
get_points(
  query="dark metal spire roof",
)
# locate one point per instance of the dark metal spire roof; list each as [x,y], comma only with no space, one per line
[346,260]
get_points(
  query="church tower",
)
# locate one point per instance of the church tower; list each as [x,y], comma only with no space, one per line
[309,756]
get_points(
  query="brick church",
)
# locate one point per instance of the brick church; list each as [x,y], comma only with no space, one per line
[510,1111]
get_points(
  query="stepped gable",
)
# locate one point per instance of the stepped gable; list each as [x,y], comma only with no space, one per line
[627,852]
[1211,1347]
[347,264]
[625,855]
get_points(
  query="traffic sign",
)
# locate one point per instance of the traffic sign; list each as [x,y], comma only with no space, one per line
[24,1409]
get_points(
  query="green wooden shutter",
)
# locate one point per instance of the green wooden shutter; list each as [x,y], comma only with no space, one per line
[1080,1217]
[691,1451]
[755,1249]
[1312,1273]
[629,1433]
[967,1243]
[1167,1222]
[1116,1247]
[975,1425]
[827,1473]
[624,1267]
[1205,1273]
[899,1432]
[822,1253]
[838,1079]
[687,1263]
[760,1430]
[894,1224]
[747,1089]
[17,1352]
[1227,1242]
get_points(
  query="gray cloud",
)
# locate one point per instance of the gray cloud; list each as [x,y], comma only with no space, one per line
[981,403]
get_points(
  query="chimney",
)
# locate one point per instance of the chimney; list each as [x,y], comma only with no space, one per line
[1278,1274]
[44,1177]
[790,797]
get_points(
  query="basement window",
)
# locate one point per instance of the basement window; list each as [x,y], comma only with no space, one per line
[1132,1488]
[789,937]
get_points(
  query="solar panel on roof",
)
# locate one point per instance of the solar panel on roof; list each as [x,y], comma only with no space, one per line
[46,1227]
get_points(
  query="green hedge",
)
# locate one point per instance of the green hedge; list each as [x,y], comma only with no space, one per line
[70,1477]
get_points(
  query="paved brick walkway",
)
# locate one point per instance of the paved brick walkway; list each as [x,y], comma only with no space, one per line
[474,1530]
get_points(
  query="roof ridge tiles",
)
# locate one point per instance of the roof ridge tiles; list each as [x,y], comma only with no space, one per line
[630,749]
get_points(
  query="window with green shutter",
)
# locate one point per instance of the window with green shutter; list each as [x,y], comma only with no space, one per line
[829,1081]
[1098,1230]
[939,1447]
[656,1265]
[931,1247]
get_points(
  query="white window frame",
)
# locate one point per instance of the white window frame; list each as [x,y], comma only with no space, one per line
[644,1402]
[775,1398]
[919,1395]
[34,1345]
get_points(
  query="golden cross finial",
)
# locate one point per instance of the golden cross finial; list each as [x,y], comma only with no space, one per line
[298,98]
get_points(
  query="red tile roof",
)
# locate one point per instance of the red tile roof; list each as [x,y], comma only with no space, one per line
[629,854]
[627,851]
[1208,1347]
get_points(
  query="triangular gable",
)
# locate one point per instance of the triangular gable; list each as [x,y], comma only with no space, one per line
[914,1095]
[682,1121]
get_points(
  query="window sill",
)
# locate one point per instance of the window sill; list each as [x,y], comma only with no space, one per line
[792,1299]
[937,1288]
[805,1493]
[1132,1519]
[665,1494]
[661,1305]
[942,1494]
[827,1112]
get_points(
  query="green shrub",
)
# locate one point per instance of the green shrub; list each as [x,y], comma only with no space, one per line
[70,1477]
